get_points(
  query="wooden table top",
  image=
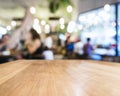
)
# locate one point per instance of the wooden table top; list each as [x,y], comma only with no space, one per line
[59,78]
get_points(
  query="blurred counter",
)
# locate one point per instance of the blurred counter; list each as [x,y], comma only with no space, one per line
[59,78]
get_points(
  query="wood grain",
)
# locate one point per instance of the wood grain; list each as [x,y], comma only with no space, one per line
[59,78]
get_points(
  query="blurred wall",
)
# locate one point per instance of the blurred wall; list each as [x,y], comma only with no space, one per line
[86,5]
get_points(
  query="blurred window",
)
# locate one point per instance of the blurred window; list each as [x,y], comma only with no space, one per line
[99,25]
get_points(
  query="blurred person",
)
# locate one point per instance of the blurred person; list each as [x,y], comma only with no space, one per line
[59,42]
[48,54]
[69,47]
[3,44]
[48,41]
[67,41]
[88,49]
[5,56]
[78,49]
[34,45]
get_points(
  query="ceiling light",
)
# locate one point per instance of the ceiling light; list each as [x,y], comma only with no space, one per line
[36,21]
[107,7]
[43,22]
[37,27]
[69,9]
[13,23]
[71,27]
[62,21]
[32,10]
[8,28]
[47,28]
[62,27]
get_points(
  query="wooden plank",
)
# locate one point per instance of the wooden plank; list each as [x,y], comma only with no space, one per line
[59,78]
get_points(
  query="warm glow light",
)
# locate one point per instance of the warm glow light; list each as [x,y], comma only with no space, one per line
[36,26]
[71,27]
[47,28]
[107,7]
[32,10]
[62,21]
[43,22]
[13,23]
[62,26]
[8,28]
[69,9]
[36,21]
[3,31]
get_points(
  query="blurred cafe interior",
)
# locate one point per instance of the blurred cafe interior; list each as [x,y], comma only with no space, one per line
[60,29]
[59,47]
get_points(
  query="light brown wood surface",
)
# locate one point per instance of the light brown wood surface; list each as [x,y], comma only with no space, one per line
[59,78]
